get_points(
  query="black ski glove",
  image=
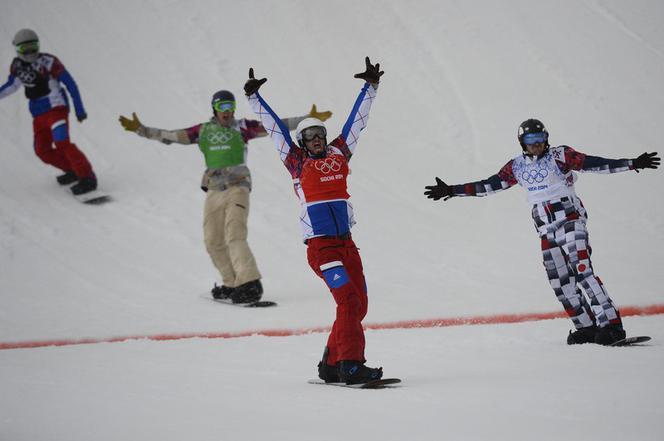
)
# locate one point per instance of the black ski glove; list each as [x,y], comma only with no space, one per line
[646,160]
[439,190]
[252,85]
[372,73]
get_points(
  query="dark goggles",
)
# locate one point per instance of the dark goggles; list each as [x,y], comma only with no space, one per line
[224,106]
[310,133]
[27,48]
[535,138]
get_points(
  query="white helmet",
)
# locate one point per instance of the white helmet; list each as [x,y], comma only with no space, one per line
[305,124]
[26,37]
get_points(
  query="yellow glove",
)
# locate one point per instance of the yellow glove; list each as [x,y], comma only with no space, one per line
[313,113]
[130,124]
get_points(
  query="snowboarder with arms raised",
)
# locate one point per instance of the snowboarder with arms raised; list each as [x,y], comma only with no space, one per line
[319,171]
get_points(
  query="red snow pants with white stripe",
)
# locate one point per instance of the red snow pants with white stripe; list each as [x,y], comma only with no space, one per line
[52,144]
[338,263]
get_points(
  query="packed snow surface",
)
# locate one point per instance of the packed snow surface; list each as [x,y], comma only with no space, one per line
[460,77]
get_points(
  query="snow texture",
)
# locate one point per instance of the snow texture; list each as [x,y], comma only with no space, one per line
[460,77]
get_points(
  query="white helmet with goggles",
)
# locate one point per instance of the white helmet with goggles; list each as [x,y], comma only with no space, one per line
[308,129]
[26,43]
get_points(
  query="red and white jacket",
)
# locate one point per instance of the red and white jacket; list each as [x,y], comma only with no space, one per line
[321,183]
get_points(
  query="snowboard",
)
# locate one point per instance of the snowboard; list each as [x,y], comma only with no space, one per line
[631,341]
[383,383]
[257,304]
[94,197]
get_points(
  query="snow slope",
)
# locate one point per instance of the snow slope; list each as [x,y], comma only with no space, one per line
[460,77]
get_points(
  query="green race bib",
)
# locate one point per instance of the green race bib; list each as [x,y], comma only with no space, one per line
[222,147]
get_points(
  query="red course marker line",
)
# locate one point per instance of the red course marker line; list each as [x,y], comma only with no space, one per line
[625,311]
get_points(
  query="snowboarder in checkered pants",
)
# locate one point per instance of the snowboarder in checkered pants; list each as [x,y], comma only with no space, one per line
[560,219]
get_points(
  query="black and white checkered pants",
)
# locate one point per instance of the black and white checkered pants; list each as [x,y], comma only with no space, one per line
[566,252]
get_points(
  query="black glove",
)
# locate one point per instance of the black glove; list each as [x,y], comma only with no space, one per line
[372,74]
[646,160]
[82,117]
[439,190]
[252,85]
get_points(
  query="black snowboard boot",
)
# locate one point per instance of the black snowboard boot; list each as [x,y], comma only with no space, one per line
[610,334]
[355,372]
[67,178]
[327,372]
[222,292]
[85,185]
[583,335]
[248,292]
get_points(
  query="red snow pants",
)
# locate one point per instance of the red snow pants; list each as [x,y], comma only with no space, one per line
[52,144]
[338,263]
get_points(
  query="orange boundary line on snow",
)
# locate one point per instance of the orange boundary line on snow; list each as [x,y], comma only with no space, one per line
[625,311]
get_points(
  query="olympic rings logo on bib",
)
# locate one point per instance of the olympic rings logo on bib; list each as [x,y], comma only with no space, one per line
[27,76]
[532,176]
[327,165]
[220,137]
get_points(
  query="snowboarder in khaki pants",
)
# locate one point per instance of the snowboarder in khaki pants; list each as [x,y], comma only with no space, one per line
[225,228]
[227,181]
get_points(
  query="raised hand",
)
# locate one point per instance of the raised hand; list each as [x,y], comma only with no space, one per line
[252,85]
[372,73]
[130,124]
[438,191]
[323,116]
[646,160]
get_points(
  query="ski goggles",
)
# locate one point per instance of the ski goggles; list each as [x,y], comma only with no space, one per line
[535,138]
[224,106]
[310,133]
[27,48]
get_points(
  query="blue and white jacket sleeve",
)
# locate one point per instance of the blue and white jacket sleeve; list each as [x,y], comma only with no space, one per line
[11,86]
[66,79]
[359,116]
[273,125]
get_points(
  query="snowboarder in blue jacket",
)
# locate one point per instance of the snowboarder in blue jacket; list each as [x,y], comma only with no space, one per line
[43,75]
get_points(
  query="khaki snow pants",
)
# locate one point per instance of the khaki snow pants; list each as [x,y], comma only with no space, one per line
[225,230]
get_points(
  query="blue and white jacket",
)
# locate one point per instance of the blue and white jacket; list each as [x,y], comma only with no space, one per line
[42,80]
